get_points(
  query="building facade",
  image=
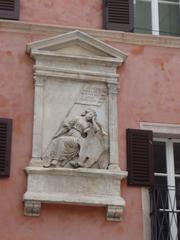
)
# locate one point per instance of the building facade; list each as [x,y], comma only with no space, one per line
[147,100]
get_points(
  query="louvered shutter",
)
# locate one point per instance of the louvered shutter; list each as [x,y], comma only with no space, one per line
[118,15]
[140,161]
[5,146]
[9,9]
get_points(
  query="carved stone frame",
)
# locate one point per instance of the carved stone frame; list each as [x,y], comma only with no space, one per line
[96,187]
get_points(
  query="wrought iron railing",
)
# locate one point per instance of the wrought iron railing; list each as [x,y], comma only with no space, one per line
[165,213]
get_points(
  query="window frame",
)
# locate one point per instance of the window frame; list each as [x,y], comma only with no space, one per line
[171,176]
[160,130]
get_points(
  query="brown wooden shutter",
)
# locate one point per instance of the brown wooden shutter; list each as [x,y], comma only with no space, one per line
[5,146]
[118,15]
[9,9]
[140,163]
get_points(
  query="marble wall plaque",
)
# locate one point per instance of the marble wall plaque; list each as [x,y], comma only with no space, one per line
[75,157]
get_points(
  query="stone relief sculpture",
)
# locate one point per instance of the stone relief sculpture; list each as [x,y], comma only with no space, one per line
[64,148]
[65,88]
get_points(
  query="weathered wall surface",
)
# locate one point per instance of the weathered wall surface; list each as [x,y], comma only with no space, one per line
[149,88]
[149,91]
[82,13]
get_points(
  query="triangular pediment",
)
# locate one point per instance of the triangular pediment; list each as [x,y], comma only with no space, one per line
[76,43]
[77,48]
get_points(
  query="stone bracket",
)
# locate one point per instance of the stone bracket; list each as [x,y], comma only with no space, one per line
[114,213]
[32,208]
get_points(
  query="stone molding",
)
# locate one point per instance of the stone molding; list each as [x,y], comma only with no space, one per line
[104,35]
[162,129]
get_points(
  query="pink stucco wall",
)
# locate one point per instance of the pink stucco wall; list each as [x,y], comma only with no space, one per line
[149,88]
[83,13]
[149,91]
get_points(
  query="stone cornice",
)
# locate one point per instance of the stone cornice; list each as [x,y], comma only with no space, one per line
[104,35]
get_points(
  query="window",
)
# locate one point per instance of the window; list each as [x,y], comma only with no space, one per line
[165,198]
[161,158]
[9,9]
[157,17]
